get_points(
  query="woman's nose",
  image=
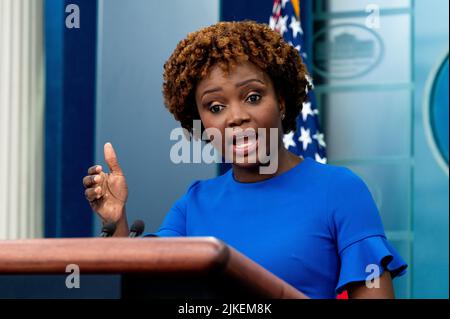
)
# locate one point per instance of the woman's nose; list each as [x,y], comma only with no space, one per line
[237,115]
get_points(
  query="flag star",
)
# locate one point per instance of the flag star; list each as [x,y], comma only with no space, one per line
[288,140]
[305,138]
[281,24]
[319,159]
[272,23]
[309,79]
[295,26]
[319,138]
[306,110]
[283,3]
[296,47]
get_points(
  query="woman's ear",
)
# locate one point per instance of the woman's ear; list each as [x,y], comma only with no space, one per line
[281,106]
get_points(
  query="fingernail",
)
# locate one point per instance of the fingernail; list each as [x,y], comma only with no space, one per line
[97,179]
[98,190]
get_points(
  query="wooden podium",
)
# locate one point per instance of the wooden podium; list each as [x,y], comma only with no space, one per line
[195,267]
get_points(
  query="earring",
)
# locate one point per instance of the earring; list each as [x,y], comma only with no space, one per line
[282,116]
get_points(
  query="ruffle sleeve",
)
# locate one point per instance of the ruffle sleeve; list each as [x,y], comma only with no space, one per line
[374,250]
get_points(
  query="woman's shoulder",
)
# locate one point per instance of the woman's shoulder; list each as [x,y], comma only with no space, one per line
[333,175]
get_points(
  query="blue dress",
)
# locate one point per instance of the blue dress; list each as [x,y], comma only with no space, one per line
[315,226]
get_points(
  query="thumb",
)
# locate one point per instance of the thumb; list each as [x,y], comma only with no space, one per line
[111,159]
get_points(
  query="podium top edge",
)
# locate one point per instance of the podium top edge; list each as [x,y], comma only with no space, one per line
[113,255]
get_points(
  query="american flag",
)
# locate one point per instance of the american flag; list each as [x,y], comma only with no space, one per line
[307,140]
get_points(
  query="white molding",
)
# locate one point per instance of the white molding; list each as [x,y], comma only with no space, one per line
[21,118]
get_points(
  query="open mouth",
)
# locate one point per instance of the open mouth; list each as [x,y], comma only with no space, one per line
[245,142]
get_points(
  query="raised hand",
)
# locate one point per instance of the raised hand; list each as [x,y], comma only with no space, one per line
[107,193]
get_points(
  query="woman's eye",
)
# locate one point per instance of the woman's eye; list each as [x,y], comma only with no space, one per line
[254,98]
[215,108]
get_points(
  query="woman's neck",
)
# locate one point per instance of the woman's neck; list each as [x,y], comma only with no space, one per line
[286,161]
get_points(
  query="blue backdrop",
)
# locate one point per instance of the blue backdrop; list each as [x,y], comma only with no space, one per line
[69,116]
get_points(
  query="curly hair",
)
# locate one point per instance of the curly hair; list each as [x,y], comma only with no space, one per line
[228,44]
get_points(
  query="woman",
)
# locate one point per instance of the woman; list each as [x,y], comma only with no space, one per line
[316,226]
